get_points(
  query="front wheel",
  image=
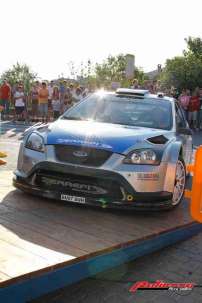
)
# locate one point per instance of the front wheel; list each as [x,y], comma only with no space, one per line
[180,182]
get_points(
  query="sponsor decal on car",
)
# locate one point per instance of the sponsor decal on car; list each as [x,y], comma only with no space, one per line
[84,143]
[148,176]
[80,187]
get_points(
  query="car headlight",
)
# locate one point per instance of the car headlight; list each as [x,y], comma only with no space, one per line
[35,142]
[142,156]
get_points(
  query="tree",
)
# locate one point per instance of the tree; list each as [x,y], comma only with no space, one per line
[194,46]
[113,68]
[185,71]
[20,73]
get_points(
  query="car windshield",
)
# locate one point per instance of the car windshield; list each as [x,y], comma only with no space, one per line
[110,108]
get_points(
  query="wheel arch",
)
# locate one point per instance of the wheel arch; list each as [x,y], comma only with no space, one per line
[172,154]
[173,151]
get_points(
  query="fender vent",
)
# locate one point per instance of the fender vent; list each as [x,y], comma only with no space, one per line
[158,140]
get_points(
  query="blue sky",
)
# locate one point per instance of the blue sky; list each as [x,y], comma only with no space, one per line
[47,34]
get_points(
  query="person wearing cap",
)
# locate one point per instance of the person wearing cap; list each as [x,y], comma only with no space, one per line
[43,102]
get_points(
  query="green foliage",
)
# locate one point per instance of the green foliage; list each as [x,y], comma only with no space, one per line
[113,70]
[185,71]
[20,73]
[140,75]
[194,46]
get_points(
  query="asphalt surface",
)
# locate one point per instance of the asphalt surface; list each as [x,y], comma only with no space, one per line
[180,263]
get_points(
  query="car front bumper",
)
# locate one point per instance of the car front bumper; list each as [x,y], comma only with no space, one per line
[110,188]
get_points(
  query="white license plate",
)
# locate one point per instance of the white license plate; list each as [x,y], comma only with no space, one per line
[73,199]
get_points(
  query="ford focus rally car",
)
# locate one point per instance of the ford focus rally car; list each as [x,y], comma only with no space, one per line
[124,149]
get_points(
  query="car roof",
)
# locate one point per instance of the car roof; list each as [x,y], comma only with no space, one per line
[141,93]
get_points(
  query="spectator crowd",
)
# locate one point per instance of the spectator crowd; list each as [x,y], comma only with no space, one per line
[190,100]
[47,101]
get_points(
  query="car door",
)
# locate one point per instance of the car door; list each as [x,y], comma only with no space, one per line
[183,133]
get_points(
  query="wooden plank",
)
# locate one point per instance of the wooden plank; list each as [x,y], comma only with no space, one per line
[46,233]
[4,277]
[78,239]
[91,226]
[103,225]
[99,217]
[29,235]
[49,255]
[110,227]
[15,261]
[38,284]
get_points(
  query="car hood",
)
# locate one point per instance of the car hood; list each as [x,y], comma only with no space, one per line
[114,137]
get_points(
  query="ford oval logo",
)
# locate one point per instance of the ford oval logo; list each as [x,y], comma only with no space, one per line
[80,153]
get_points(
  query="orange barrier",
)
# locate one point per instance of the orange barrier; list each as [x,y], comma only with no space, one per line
[2,155]
[196,193]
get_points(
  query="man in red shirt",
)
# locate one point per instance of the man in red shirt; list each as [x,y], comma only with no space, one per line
[5,96]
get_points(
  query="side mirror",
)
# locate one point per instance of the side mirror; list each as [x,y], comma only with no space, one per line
[185,131]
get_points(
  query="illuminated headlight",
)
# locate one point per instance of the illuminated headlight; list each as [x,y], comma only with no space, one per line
[142,156]
[35,142]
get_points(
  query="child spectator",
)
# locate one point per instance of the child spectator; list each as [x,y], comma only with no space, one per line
[56,104]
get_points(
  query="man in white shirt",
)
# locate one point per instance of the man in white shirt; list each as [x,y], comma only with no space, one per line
[77,96]
[19,101]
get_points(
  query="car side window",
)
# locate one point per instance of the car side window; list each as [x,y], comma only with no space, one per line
[180,120]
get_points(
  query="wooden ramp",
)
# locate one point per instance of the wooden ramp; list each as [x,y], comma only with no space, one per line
[47,244]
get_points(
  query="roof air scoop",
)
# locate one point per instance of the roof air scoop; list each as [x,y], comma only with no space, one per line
[132,92]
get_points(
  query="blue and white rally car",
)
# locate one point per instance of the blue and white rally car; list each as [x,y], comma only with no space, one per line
[124,149]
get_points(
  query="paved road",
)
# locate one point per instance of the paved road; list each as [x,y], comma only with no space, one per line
[179,263]
[10,135]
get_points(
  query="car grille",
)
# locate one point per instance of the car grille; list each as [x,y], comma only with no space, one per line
[81,155]
[76,184]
